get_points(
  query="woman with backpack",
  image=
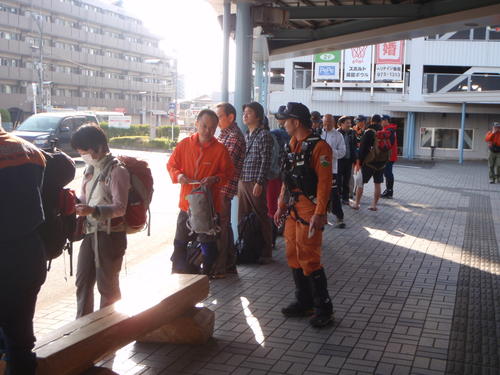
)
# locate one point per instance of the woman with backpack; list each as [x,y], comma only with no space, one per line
[103,203]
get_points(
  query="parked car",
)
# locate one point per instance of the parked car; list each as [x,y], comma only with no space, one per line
[43,129]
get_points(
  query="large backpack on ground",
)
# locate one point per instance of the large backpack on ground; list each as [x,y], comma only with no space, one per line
[381,149]
[59,203]
[138,214]
[274,169]
[202,217]
[250,241]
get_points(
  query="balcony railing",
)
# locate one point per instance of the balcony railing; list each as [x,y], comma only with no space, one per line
[438,83]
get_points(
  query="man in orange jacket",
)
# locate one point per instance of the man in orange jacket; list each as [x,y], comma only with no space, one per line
[307,183]
[199,159]
[493,139]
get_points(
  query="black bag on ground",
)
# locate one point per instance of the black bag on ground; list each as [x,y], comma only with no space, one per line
[58,204]
[250,241]
[194,257]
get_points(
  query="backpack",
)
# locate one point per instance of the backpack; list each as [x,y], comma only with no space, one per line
[381,149]
[250,241]
[201,213]
[139,196]
[274,169]
[59,204]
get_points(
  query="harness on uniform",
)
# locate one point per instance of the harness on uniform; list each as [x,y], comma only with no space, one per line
[299,177]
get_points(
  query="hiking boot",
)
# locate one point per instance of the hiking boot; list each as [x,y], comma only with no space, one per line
[303,305]
[323,308]
[387,194]
[320,321]
[297,310]
[340,224]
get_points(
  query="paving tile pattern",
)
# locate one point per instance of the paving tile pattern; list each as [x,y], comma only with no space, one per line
[475,331]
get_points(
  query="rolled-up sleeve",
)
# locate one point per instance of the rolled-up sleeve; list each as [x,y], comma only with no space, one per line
[119,187]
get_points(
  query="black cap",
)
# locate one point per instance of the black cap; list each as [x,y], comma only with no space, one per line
[281,109]
[386,117]
[376,118]
[316,116]
[360,118]
[295,110]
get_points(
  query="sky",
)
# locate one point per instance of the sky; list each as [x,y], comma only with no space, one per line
[191,32]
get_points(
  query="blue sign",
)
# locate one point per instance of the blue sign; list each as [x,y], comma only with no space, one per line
[327,70]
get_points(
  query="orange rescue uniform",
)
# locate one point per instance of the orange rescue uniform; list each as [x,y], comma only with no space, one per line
[197,161]
[493,138]
[301,251]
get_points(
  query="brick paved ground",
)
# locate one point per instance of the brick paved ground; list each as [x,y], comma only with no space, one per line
[415,287]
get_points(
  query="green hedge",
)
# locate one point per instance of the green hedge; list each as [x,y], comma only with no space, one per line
[5,115]
[164,131]
[142,142]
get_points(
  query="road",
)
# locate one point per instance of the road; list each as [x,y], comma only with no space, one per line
[59,285]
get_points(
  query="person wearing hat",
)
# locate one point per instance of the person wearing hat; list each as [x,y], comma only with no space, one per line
[493,140]
[317,122]
[393,157]
[306,186]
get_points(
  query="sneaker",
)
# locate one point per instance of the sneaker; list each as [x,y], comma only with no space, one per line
[340,224]
[320,321]
[297,310]
[387,194]
[492,181]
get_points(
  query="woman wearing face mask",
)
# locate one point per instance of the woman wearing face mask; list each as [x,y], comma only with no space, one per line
[103,202]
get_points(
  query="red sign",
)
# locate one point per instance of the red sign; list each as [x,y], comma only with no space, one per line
[390,52]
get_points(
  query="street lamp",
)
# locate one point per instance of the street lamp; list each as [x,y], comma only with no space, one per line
[152,126]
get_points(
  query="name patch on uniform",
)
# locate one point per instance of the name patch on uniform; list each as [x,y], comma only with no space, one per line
[324,161]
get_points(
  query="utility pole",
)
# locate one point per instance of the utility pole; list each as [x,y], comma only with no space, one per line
[38,20]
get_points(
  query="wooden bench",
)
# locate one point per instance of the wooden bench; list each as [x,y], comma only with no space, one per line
[159,313]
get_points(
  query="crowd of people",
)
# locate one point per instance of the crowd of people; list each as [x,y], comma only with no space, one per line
[287,179]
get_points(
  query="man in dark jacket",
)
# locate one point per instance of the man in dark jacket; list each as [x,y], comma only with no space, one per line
[22,268]
[345,163]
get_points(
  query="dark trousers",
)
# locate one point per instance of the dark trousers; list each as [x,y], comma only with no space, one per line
[389,176]
[182,238]
[103,269]
[226,253]
[335,204]
[22,273]
[344,177]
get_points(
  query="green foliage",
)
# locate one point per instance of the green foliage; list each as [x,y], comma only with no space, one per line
[6,115]
[164,131]
[142,142]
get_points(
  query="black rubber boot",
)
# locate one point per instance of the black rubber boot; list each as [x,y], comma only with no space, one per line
[303,306]
[323,308]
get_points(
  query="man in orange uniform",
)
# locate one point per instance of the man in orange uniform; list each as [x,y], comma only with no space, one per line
[493,140]
[307,187]
[199,158]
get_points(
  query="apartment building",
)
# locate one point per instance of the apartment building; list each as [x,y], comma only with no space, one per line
[431,85]
[85,55]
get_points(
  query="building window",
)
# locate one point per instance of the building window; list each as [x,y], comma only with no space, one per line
[445,138]
[302,75]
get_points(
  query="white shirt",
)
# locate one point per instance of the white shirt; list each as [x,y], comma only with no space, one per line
[336,142]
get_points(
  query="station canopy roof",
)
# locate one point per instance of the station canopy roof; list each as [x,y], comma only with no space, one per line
[297,28]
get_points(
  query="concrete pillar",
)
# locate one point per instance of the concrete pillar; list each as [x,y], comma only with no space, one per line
[265,85]
[409,151]
[258,81]
[461,136]
[244,44]
[225,51]
[243,81]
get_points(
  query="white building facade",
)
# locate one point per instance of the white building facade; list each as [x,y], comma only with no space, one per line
[433,88]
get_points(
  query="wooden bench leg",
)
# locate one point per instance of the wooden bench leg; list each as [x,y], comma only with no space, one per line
[195,327]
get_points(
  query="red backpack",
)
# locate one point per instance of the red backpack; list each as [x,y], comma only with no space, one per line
[140,194]
[381,150]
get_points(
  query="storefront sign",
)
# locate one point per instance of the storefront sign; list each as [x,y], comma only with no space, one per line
[390,53]
[388,72]
[357,64]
